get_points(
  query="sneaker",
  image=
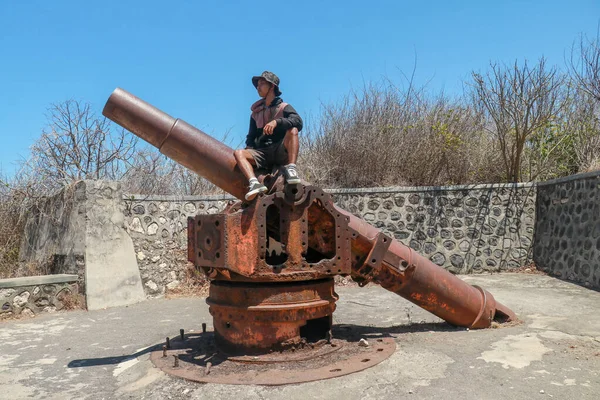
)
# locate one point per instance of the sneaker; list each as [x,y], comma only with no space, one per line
[254,190]
[291,175]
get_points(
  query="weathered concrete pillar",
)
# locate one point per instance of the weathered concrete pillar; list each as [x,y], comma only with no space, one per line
[111,272]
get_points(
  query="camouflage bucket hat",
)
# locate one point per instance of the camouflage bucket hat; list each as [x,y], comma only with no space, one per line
[269,77]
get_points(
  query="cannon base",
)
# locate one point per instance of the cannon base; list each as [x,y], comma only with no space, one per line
[258,318]
[197,358]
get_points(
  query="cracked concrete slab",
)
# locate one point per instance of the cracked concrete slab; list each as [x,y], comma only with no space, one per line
[104,354]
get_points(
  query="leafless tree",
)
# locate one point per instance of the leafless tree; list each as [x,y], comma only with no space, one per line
[584,64]
[77,144]
[581,120]
[148,172]
[519,101]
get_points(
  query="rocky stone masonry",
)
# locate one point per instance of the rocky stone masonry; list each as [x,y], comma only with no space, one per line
[567,241]
[464,228]
[158,227]
[32,295]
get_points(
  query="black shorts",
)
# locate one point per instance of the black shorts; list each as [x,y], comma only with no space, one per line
[267,157]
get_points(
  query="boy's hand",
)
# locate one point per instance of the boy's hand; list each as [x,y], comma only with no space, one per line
[268,129]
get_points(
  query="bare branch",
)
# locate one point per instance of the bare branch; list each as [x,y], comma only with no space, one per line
[520,101]
[584,64]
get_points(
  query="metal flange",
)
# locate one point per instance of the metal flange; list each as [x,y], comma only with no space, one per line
[196,358]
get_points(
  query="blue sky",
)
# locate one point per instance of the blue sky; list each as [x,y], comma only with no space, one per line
[194,59]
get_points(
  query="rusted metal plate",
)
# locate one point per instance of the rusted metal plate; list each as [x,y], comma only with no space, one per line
[197,360]
[191,248]
[270,238]
[372,263]
[210,240]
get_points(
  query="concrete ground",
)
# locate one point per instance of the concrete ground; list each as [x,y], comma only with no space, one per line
[104,354]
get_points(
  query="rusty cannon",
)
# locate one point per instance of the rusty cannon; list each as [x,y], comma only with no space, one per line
[271,262]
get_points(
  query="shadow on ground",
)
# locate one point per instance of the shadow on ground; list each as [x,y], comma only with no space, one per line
[348,332]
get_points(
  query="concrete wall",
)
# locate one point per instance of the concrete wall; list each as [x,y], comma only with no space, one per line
[463,228]
[53,233]
[567,229]
[81,230]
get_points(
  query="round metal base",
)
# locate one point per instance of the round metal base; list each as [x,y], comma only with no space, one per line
[253,318]
[196,358]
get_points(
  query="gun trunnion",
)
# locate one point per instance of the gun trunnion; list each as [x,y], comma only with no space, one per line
[271,262]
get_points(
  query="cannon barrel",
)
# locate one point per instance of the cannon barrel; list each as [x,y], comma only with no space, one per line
[377,258]
[178,140]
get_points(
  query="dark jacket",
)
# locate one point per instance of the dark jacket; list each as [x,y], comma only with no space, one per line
[290,119]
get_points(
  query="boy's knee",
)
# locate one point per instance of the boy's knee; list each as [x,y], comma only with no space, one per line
[292,132]
[238,154]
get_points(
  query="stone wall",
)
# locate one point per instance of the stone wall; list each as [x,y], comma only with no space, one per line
[567,238]
[32,295]
[158,227]
[465,229]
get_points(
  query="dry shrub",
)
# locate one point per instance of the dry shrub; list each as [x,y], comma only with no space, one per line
[530,269]
[75,144]
[593,166]
[12,214]
[8,316]
[386,136]
[195,284]
[569,143]
[151,173]
[73,301]
[511,324]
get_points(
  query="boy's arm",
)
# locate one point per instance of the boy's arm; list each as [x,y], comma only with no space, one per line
[290,119]
[252,131]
